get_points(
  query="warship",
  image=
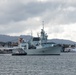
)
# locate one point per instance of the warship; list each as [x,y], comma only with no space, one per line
[37,46]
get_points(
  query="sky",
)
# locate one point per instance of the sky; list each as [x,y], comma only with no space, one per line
[20,17]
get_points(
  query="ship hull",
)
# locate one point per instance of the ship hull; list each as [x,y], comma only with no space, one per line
[17,54]
[44,51]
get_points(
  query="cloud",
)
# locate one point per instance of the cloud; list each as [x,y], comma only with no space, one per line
[63,32]
[49,10]
[21,16]
[17,10]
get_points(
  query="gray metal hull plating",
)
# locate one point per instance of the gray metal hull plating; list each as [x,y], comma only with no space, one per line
[44,51]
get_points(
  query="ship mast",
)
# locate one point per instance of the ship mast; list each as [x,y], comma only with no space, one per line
[43,34]
[43,24]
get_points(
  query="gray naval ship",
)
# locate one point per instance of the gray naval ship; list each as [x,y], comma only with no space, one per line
[37,46]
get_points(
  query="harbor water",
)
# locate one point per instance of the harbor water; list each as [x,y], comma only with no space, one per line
[64,64]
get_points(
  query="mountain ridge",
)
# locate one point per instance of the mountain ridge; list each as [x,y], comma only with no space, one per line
[8,38]
[62,41]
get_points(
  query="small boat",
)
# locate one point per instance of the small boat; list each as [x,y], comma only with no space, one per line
[18,51]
